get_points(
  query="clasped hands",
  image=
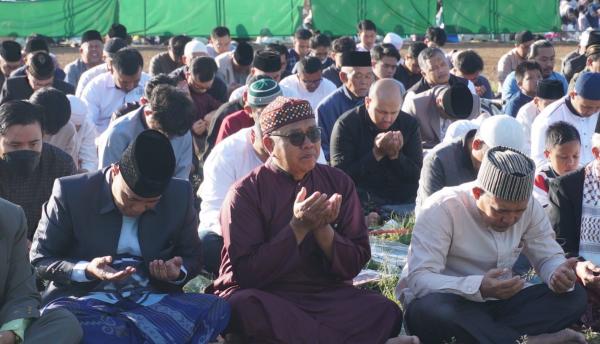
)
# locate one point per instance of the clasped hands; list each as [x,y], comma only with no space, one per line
[99,268]
[388,144]
[314,212]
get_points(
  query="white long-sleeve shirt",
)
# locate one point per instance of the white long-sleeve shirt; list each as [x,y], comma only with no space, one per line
[293,84]
[561,110]
[452,248]
[103,98]
[85,147]
[526,115]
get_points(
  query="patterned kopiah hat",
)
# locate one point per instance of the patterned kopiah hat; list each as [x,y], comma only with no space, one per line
[507,174]
[263,91]
[283,111]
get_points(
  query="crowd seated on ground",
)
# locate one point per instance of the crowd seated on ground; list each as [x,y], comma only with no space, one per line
[263,168]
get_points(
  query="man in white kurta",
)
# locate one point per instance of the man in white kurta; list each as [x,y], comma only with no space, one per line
[579,108]
[308,83]
[458,281]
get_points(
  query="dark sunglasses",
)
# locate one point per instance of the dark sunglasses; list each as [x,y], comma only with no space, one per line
[297,138]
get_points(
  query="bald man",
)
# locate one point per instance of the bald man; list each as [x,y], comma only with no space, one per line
[379,146]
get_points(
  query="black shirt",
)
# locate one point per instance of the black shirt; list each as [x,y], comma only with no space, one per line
[333,74]
[389,181]
[16,88]
[423,85]
[406,77]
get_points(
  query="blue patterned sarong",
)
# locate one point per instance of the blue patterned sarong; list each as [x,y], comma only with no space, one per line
[177,318]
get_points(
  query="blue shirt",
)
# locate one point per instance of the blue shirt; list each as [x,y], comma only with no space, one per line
[330,109]
[515,102]
[510,87]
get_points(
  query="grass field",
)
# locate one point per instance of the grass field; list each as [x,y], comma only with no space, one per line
[490,52]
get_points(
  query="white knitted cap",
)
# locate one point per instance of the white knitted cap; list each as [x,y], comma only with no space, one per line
[502,130]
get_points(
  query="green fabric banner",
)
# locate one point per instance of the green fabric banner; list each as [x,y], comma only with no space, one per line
[198,18]
[167,17]
[500,16]
[400,16]
[56,18]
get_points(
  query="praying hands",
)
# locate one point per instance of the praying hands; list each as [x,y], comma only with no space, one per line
[388,144]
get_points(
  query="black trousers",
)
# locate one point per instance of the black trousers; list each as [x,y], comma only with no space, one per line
[441,317]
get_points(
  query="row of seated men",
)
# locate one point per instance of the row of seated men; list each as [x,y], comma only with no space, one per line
[318,225]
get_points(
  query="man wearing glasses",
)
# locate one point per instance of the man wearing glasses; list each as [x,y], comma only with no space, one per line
[379,146]
[308,83]
[294,235]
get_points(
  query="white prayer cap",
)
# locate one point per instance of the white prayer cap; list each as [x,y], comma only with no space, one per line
[394,40]
[194,46]
[458,129]
[502,130]
[79,109]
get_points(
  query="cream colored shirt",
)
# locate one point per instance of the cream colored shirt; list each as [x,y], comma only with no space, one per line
[452,248]
[508,63]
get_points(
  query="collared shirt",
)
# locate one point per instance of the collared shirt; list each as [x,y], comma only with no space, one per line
[330,109]
[162,63]
[452,247]
[515,103]
[120,133]
[562,110]
[510,87]
[103,98]
[74,70]
[30,192]
[226,71]
[298,90]
[508,63]
[88,75]
[447,164]
[526,115]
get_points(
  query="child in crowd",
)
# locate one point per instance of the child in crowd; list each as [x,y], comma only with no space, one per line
[527,74]
[562,151]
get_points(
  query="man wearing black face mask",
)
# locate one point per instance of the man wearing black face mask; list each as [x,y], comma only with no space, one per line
[28,166]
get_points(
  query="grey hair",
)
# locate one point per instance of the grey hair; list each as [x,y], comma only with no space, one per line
[427,54]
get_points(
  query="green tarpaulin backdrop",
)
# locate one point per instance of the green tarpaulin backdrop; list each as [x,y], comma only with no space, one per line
[401,16]
[66,18]
[500,16]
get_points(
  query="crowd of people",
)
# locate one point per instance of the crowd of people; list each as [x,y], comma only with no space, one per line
[264,167]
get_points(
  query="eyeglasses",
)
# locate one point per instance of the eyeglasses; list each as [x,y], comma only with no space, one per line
[297,138]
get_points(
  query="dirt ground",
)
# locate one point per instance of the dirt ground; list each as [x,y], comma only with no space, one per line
[490,52]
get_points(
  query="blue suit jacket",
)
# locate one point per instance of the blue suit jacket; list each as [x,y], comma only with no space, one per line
[81,222]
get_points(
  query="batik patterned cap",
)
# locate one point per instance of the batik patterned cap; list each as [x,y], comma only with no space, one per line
[283,111]
[507,174]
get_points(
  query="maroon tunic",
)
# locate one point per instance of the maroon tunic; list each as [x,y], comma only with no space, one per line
[283,292]
[234,123]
